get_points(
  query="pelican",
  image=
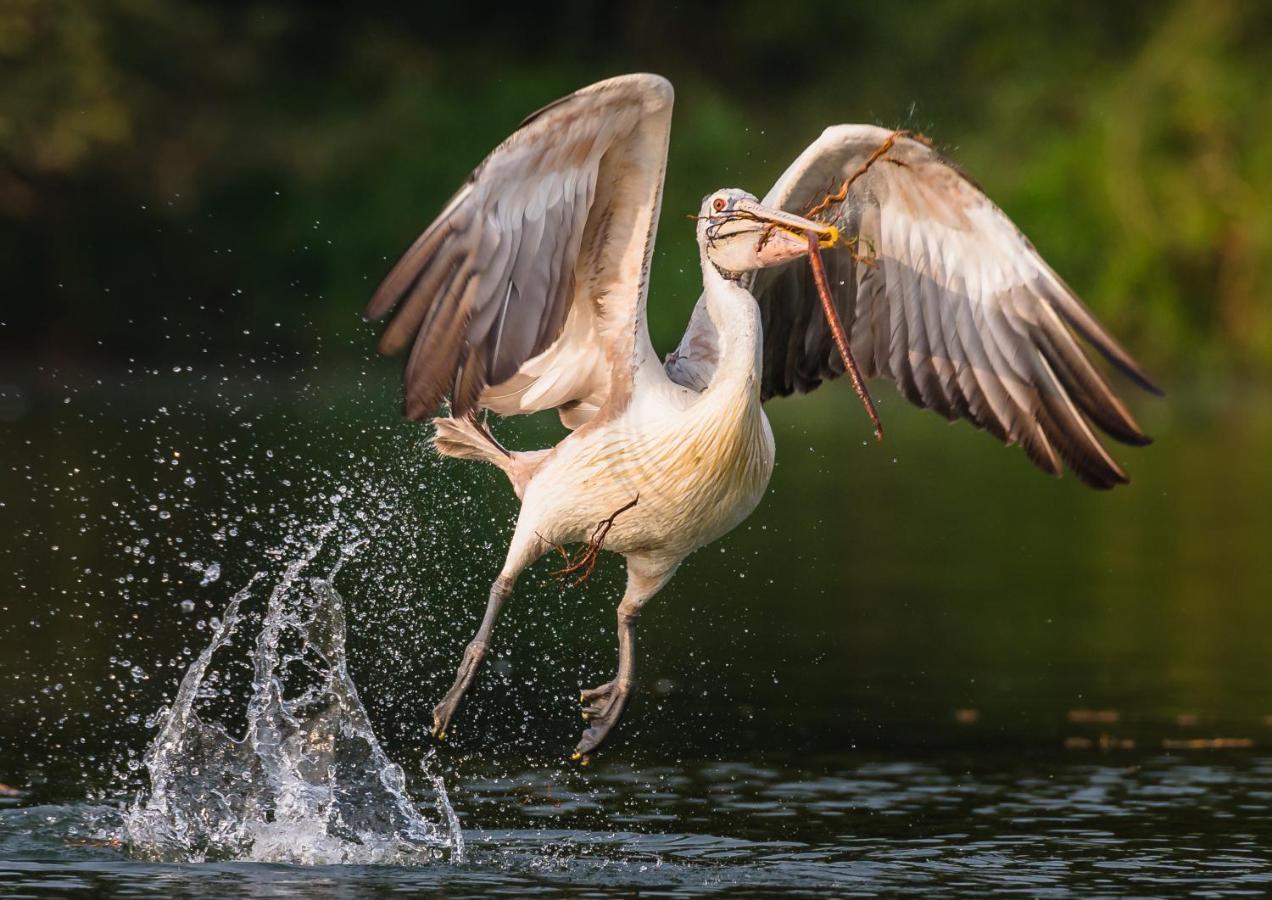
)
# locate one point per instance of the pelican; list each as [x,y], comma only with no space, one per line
[528,293]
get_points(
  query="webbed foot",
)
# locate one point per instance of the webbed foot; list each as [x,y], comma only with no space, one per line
[602,708]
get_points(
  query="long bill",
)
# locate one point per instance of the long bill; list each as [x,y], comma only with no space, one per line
[827,234]
[837,331]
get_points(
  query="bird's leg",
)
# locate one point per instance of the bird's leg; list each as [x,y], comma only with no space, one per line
[602,706]
[474,653]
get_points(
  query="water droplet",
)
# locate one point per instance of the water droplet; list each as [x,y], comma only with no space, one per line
[210,574]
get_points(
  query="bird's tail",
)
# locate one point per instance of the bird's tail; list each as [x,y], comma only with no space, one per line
[466,438]
[469,439]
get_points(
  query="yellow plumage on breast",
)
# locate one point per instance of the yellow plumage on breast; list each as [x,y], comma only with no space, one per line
[695,474]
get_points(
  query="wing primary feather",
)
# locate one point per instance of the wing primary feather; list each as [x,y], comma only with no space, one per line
[1072,436]
[426,291]
[1088,389]
[439,347]
[1075,312]
[403,277]
[998,405]
[1023,424]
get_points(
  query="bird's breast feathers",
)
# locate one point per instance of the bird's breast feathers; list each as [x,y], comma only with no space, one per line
[695,473]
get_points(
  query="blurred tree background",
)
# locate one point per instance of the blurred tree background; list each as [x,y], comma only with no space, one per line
[228,166]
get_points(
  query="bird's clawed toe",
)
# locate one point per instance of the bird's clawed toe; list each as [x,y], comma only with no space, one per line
[441,718]
[587,696]
[603,706]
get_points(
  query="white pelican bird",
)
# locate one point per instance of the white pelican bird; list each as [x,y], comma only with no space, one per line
[528,293]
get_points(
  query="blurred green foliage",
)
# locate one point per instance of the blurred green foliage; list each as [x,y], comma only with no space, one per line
[228,166]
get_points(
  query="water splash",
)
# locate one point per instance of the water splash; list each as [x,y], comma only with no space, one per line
[308,782]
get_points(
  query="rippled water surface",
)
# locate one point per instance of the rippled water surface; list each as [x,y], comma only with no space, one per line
[1049,826]
[920,669]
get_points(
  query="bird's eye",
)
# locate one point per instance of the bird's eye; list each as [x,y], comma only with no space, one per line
[718,204]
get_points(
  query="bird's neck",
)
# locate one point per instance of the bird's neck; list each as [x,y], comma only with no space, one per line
[736,318]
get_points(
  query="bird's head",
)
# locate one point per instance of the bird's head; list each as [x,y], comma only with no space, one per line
[739,234]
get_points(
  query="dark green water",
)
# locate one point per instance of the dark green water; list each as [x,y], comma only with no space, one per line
[917,668]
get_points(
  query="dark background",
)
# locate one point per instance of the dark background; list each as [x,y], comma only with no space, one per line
[234,164]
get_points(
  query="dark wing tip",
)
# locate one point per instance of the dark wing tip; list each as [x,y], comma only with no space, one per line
[1095,469]
[1081,319]
[1130,369]
[372,312]
[1109,481]
[1101,474]
[386,297]
[386,347]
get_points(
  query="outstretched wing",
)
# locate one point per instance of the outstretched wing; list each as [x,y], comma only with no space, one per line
[528,291]
[941,293]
